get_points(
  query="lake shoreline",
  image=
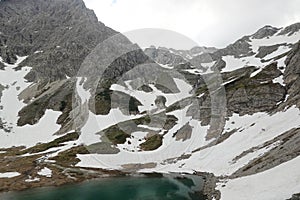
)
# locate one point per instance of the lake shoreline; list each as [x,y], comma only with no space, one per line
[208,190]
[64,172]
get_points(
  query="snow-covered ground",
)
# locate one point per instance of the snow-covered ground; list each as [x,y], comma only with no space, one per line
[252,131]
[274,184]
[169,149]
[273,40]
[30,179]
[148,98]
[28,135]
[45,172]
[9,174]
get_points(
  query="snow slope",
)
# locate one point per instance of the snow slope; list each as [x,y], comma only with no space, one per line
[28,135]
[274,184]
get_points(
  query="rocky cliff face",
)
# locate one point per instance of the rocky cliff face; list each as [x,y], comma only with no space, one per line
[75,92]
[56,36]
[59,34]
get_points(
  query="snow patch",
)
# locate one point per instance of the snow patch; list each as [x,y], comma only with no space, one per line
[28,135]
[9,174]
[45,172]
[277,183]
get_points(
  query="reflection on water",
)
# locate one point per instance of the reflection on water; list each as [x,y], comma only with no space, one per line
[121,188]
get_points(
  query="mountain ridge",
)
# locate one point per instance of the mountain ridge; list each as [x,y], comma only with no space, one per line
[89,99]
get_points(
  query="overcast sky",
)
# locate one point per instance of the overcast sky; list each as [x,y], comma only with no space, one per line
[207,22]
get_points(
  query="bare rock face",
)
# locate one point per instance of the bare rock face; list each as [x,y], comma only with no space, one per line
[290,29]
[295,197]
[57,35]
[292,75]
[286,150]
[238,49]
[164,56]
[184,133]
[265,31]
[266,50]
[249,95]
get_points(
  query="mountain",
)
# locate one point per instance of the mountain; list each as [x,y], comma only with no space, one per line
[78,101]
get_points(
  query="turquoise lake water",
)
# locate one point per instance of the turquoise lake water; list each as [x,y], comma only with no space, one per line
[125,188]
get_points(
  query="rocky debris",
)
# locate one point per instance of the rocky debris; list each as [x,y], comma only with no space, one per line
[290,30]
[265,31]
[137,167]
[210,183]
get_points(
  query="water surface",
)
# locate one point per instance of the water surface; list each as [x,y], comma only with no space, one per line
[124,188]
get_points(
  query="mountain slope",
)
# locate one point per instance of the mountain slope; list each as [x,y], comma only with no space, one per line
[76,95]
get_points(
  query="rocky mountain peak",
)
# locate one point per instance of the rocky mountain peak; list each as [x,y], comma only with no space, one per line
[291,29]
[157,110]
[265,31]
[55,32]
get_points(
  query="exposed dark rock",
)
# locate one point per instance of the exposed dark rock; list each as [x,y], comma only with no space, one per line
[295,197]
[290,29]
[219,65]
[266,50]
[164,56]
[238,49]
[160,102]
[145,88]
[287,149]
[2,66]
[248,95]
[204,58]
[102,148]
[267,74]
[64,31]
[184,133]
[292,76]
[152,143]
[265,31]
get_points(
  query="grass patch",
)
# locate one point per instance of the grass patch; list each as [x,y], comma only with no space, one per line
[69,157]
[55,143]
[115,135]
[152,143]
